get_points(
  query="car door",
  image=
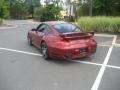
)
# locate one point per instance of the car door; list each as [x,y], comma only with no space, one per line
[38,35]
[34,34]
[42,32]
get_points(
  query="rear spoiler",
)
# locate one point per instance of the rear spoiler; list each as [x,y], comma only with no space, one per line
[92,32]
[77,35]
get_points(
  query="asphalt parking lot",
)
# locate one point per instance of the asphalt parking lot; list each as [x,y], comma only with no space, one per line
[23,68]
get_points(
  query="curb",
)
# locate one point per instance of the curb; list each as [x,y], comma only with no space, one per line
[11,26]
[34,22]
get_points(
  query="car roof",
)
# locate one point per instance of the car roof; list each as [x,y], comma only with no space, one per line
[51,23]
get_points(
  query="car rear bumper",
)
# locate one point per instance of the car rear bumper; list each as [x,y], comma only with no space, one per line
[79,54]
[71,53]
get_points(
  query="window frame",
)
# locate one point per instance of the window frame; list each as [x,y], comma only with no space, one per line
[76,27]
[46,27]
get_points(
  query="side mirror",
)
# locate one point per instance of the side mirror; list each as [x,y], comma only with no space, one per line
[33,29]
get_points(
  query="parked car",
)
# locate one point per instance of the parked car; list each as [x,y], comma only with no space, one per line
[59,39]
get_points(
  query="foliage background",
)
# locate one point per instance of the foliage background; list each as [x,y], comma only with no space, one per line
[100,24]
[104,14]
[4,12]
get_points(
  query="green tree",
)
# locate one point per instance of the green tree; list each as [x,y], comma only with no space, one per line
[95,7]
[47,13]
[32,5]
[106,7]
[58,3]
[18,9]
[4,13]
[55,10]
[38,13]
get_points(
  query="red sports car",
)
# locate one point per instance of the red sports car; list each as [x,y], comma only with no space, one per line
[62,40]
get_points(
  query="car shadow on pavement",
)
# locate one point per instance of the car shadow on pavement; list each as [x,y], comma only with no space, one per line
[57,60]
[61,62]
[84,59]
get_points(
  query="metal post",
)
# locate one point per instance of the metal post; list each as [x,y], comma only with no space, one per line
[90,10]
[70,12]
[10,8]
[32,4]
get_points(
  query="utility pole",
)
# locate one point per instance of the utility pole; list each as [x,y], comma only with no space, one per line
[32,5]
[10,8]
[91,7]
[70,12]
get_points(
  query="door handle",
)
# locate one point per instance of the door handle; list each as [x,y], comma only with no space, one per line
[43,35]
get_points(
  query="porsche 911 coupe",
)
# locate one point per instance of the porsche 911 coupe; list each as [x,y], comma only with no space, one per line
[58,39]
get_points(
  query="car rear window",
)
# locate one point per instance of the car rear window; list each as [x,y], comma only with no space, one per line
[66,28]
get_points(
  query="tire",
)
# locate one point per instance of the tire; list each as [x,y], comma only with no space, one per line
[44,50]
[30,41]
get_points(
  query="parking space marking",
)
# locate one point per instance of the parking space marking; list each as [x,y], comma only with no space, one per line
[36,54]
[101,72]
[104,35]
[85,62]
[115,45]
[114,39]
[115,67]
[97,64]
[104,45]
[20,51]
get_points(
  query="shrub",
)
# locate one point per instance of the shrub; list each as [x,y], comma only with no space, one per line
[41,14]
[47,13]
[38,13]
[4,13]
[100,24]
[18,10]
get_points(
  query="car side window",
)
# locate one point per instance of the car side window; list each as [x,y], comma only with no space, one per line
[41,28]
[47,29]
[44,28]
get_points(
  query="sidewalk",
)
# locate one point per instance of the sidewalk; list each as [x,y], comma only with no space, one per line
[6,26]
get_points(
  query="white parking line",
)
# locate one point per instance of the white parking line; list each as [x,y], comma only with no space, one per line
[114,39]
[20,51]
[96,64]
[85,62]
[101,72]
[104,35]
[104,45]
[115,67]
[115,45]
[36,54]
